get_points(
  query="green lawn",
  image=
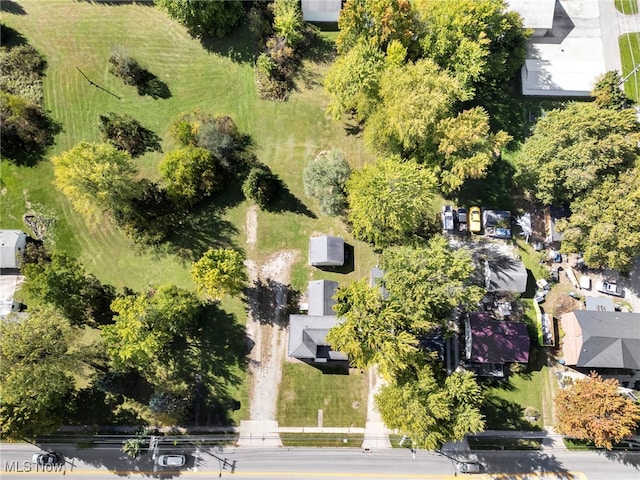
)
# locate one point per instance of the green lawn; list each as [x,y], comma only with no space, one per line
[215,76]
[628,7]
[305,390]
[630,56]
[321,439]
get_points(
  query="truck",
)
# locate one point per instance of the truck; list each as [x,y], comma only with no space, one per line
[448,218]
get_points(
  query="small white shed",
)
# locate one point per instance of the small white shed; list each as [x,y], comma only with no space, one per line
[12,244]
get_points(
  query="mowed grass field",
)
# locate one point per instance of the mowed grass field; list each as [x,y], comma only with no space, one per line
[217,79]
[630,56]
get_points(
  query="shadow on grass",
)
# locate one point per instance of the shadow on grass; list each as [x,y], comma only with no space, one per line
[502,414]
[496,190]
[153,87]
[10,6]
[117,3]
[199,231]
[238,45]
[285,201]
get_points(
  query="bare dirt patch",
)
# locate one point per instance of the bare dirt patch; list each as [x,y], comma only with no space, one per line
[251,225]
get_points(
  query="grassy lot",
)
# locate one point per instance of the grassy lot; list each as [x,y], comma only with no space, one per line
[305,390]
[217,77]
[321,439]
[629,7]
[630,56]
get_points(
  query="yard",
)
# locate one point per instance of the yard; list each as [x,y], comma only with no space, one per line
[630,57]
[215,76]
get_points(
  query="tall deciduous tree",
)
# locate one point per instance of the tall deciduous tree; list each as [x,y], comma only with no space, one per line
[592,409]
[36,378]
[63,283]
[220,272]
[203,17]
[430,281]
[374,330]
[95,177]
[325,178]
[608,93]
[389,200]
[573,149]
[605,223]
[377,22]
[191,174]
[477,40]
[147,323]
[413,100]
[352,81]
[466,148]
[432,411]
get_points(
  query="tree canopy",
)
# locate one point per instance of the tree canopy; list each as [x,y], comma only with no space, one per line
[389,200]
[220,272]
[128,134]
[430,410]
[37,378]
[191,174]
[95,177]
[63,283]
[414,98]
[325,178]
[479,41]
[147,323]
[593,409]
[574,149]
[377,22]
[605,224]
[608,93]
[202,17]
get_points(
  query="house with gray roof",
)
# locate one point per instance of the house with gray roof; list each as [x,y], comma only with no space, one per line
[12,245]
[321,10]
[601,340]
[503,274]
[308,333]
[326,251]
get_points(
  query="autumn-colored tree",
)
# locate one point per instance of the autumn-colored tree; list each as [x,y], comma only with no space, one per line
[608,93]
[378,22]
[219,272]
[593,409]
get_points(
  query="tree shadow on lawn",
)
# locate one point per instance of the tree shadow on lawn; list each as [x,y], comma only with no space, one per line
[502,414]
[10,6]
[199,231]
[238,45]
[285,201]
[496,190]
[270,302]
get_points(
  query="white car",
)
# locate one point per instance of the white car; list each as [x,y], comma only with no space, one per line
[172,460]
[609,288]
[469,467]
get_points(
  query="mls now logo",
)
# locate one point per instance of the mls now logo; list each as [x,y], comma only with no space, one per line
[32,467]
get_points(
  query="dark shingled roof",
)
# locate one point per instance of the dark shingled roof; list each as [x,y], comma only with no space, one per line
[609,339]
[496,341]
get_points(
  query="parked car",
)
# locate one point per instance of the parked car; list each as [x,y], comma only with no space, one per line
[609,288]
[462,219]
[475,220]
[585,282]
[469,467]
[48,458]
[448,218]
[172,460]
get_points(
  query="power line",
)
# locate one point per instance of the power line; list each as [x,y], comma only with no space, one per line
[91,82]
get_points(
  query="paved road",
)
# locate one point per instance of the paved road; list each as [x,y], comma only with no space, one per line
[297,464]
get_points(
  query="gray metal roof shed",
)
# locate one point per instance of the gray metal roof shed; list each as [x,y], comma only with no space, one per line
[321,300]
[326,251]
